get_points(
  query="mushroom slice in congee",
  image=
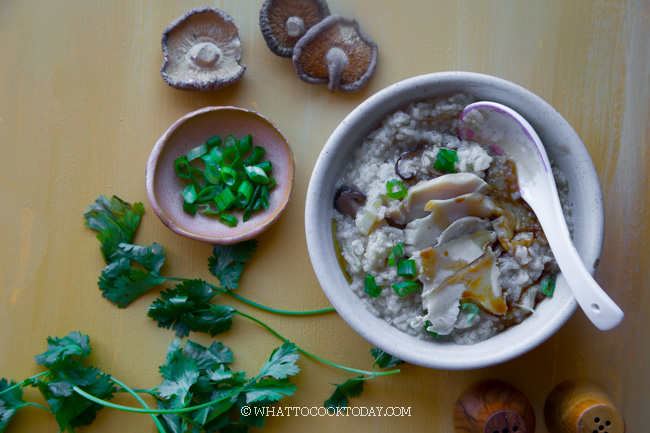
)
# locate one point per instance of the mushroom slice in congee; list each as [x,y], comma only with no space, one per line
[438,225]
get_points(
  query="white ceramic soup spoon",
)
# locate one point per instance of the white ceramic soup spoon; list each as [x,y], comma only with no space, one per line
[491,123]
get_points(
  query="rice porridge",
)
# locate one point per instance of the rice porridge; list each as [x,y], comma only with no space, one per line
[432,233]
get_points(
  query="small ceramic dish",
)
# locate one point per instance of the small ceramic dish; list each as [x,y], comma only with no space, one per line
[563,146]
[164,186]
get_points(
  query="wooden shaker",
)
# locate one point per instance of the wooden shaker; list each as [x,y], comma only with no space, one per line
[581,406]
[493,406]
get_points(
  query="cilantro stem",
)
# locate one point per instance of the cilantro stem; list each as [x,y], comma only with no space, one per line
[315,357]
[257,305]
[152,411]
[275,310]
[160,427]
[27,403]
[25,382]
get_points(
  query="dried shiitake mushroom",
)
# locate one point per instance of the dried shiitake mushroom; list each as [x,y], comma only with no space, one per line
[202,51]
[336,51]
[283,22]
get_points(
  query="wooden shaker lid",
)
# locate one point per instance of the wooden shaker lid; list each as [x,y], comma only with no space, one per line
[582,406]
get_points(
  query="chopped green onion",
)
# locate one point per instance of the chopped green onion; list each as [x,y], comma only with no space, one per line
[198,177]
[391,192]
[213,141]
[197,152]
[264,197]
[229,175]
[189,193]
[207,159]
[182,167]
[397,251]
[250,207]
[216,154]
[255,156]
[266,166]
[548,286]
[244,192]
[230,155]
[245,145]
[228,219]
[256,174]
[445,160]
[224,200]
[212,174]
[471,307]
[224,182]
[207,194]
[230,141]
[208,210]
[426,328]
[406,268]
[371,287]
[190,208]
[403,288]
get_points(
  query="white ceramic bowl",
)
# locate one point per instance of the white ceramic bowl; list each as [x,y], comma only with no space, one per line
[563,146]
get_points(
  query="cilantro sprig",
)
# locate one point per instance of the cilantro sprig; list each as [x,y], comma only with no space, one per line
[199,392]
[133,270]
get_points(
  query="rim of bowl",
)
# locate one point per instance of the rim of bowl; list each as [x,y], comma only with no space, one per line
[150,175]
[508,344]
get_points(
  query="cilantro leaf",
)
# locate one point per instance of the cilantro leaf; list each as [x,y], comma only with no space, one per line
[214,321]
[179,377]
[384,360]
[186,308]
[116,222]
[269,390]
[282,362]
[348,389]
[58,348]
[10,402]
[122,283]
[207,358]
[227,262]
[71,409]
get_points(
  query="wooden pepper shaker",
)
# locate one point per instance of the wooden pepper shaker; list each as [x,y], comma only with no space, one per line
[582,406]
[493,406]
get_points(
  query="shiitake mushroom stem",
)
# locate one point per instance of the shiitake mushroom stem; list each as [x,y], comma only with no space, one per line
[295,26]
[337,61]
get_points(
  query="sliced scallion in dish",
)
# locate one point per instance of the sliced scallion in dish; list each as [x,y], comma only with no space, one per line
[445,160]
[548,286]
[397,251]
[403,288]
[396,189]
[406,268]
[371,287]
[224,177]
[472,309]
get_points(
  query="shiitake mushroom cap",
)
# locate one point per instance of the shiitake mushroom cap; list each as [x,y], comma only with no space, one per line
[202,51]
[284,22]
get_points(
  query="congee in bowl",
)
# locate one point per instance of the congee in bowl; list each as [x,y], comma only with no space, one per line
[432,232]
[428,252]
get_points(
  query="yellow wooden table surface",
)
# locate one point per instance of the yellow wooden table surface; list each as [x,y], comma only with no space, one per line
[82,103]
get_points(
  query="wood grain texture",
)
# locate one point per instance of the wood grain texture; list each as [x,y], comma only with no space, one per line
[82,103]
[493,406]
[582,406]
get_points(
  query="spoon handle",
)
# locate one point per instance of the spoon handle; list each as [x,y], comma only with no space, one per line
[597,305]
